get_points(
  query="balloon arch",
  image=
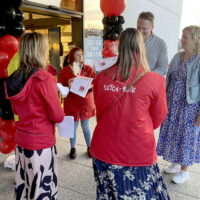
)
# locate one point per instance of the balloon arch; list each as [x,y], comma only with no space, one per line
[112,22]
[11,28]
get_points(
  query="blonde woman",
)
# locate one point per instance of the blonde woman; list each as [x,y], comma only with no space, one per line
[33,94]
[131,103]
[179,140]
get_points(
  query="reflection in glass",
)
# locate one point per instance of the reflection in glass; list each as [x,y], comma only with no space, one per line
[93,42]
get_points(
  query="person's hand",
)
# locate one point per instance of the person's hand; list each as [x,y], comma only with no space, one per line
[70,82]
[91,86]
[197,121]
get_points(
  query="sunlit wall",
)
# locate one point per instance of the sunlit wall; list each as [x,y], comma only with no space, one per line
[167,19]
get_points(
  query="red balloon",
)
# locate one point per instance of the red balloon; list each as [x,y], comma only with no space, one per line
[6,148]
[116,42]
[8,125]
[112,7]
[14,147]
[107,56]
[114,50]
[105,52]
[3,73]
[7,132]
[9,45]
[110,48]
[107,44]
[2,122]
[4,60]
[8,137]
[111,54]
[18,39]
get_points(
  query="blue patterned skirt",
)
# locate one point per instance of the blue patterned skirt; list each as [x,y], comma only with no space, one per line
[116,182]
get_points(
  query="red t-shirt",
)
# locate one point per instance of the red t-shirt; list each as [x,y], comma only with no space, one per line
[124,134]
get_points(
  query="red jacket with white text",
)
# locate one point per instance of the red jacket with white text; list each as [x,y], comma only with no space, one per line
[124,134]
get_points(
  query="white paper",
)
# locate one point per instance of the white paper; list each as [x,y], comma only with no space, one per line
[104,63]
[64,91]
[81,85]
[66,127]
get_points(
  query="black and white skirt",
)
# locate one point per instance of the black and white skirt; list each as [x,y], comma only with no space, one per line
[36,174]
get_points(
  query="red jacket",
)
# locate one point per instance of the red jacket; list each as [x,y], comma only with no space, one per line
[38,108]
[124,134]
[75,105]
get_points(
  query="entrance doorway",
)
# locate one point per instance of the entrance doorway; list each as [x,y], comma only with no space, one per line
[58,30]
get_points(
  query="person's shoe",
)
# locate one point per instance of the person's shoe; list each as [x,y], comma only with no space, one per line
[73,153]
[172,169]
[181,177]
[88,152]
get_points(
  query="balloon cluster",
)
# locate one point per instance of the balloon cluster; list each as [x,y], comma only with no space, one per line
[112,27]
[11,28]
[8,47]
[112,22]
[11,18]
[110,48]
[7,133]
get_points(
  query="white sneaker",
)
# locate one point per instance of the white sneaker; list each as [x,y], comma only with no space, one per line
[172,169]
[181,177]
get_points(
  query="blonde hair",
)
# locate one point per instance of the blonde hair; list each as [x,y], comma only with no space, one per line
[131,54]
[32,52]
[195,35]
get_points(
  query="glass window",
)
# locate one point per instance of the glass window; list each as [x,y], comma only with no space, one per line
[44,23]
[93,42]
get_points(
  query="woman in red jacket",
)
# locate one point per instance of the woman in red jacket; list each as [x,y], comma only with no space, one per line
[34,97]
[131,103]
[81,108]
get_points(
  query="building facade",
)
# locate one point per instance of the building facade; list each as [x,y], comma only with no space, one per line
[61,21]
[79,21]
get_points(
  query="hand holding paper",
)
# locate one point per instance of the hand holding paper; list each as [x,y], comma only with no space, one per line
[81,85]
[63,90]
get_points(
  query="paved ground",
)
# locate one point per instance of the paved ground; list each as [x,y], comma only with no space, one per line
[76,180]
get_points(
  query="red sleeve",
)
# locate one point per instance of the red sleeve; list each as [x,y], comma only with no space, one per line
[158,107]
[62,78]
[90,71]
[93,74]
[48,89]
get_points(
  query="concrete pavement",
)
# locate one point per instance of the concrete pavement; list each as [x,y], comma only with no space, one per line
[76,180]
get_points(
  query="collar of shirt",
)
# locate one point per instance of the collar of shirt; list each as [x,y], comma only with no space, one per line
[149,38]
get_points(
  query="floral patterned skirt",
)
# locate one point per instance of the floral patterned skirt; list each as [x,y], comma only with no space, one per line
[36,174]
[116,182]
